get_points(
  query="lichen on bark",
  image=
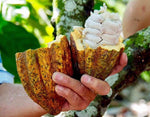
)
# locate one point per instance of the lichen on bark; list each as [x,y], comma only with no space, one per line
[69,13]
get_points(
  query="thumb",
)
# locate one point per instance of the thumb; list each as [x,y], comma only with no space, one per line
[98,86]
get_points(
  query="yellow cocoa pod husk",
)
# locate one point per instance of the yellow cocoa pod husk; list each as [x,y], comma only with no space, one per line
[23,73]
[35,69]
[97,62]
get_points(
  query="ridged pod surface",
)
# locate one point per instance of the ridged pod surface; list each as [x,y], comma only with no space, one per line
[35,69]
[97,62]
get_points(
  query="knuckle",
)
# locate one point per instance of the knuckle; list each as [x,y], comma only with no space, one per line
[84,105]
[82,89]
[77,100]
[92,97]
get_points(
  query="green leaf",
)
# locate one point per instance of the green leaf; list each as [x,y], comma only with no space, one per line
[146,76]
[14,39]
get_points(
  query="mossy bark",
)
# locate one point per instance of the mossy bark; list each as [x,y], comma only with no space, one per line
[69,13]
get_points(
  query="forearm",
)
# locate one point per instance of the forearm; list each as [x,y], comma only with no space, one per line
[14,102]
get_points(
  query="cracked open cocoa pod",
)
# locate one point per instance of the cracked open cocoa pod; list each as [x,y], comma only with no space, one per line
[35,68]
[98,62]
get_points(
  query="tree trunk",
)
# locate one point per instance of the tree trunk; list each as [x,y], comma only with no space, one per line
[69,13]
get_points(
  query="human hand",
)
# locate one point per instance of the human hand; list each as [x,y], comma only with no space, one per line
[77,96]
[122,63]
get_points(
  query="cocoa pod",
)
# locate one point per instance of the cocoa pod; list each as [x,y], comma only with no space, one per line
[97,62]
[35,69]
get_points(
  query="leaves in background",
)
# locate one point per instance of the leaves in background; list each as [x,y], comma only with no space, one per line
[14,39]
[32,31]
[33,15]
[117,6]
[146,76]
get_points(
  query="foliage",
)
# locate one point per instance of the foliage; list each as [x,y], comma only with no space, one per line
[14,39]
[117,6]
[146,76]
[32,15]
[23,25]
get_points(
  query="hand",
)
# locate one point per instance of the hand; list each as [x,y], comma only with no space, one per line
[122,63]
[78,96]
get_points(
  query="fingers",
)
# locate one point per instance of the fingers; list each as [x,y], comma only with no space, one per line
[75,102]
[75,85]
[80,94]
[77,95]
[123,59]
[98,86]
[121,65]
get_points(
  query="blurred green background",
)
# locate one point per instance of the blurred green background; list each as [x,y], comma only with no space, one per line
[27,24]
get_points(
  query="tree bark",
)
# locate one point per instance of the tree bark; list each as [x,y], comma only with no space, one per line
[69,13]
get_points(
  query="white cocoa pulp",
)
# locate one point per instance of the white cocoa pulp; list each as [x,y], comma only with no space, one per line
[102,28]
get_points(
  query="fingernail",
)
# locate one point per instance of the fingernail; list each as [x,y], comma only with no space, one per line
[54,76]
[106,88]
[58,88]
[86,78]
[57,77]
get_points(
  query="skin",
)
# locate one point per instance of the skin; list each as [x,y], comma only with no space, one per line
[136,17]
[14,102]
